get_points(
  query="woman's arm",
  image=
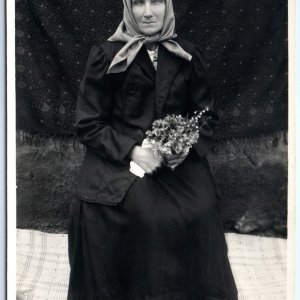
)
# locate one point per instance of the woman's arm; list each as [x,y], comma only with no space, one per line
[93,114]
[201,96]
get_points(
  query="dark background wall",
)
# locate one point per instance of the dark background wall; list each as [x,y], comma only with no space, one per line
[245,46]
[250,173]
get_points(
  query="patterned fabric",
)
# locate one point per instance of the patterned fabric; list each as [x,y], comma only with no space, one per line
[154,56]
[258,264]
[244,44]
[128,32]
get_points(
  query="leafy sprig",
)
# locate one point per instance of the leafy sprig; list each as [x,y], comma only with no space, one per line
[175,134]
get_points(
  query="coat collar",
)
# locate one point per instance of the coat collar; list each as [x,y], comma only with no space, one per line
[167,67]
[144,61]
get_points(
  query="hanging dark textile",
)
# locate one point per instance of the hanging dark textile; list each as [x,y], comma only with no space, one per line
[244,43]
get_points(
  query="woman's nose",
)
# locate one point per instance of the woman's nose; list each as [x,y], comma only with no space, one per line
[148,10]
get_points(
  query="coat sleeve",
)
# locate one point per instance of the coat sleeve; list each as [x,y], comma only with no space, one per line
[201,97]
[93,112]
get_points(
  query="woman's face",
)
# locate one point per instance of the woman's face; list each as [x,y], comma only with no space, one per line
[149,15]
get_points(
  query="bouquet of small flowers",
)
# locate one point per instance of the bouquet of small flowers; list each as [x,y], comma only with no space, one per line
[174,135]
[172,138]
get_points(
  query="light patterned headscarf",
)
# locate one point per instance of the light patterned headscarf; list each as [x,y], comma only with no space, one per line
[128,32]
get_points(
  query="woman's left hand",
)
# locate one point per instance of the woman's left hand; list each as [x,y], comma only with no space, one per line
[174,160]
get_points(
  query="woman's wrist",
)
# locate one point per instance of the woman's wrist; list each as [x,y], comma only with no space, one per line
[134,152]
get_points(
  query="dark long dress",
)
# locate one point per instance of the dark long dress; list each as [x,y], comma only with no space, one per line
[163,241]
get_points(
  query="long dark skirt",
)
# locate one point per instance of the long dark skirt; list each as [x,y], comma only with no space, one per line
[164,241]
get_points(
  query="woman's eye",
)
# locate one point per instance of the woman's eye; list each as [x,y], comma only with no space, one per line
[157,1]
[136,2]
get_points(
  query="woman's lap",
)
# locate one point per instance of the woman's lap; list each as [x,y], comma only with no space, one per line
[164,237]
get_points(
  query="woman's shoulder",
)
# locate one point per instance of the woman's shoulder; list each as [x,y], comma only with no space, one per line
[106,49]
[196,52]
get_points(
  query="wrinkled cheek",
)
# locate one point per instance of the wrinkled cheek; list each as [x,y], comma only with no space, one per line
[137,14]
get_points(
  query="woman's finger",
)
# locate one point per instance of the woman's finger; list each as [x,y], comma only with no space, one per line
[149,171]
[151,168]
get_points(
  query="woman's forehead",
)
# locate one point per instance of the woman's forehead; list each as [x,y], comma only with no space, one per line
[131,1]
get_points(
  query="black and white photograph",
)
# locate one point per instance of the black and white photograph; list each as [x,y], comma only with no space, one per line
[152,149]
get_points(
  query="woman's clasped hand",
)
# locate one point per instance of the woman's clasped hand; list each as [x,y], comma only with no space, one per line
[146,159]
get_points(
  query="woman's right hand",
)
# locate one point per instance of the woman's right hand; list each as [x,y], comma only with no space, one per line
[145,158]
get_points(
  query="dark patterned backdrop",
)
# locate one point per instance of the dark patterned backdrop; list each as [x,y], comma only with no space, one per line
[244,42]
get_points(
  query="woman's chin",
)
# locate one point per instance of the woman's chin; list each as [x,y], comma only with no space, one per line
[149,32]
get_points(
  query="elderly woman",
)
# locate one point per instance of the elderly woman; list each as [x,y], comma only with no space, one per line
[158,237]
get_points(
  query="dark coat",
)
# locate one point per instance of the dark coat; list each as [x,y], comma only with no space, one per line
[115,110]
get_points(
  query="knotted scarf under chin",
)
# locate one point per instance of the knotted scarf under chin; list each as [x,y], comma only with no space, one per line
[128,32]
